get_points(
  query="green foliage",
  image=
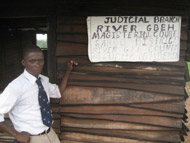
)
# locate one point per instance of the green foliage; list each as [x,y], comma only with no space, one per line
[188,65]
[42,44]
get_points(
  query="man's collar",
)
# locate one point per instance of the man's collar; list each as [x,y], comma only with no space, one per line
[30,77]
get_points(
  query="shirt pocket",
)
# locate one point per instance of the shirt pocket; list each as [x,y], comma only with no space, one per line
[29,98]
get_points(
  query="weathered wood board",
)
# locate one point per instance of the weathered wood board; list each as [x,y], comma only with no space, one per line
[98,138]
[171,136]
[121,110]
[90,95]
[107,124]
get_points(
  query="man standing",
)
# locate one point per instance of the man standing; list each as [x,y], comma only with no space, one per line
[27,98]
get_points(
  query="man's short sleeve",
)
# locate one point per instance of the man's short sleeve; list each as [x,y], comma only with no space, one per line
[54,91]
[2,118]
[8,99]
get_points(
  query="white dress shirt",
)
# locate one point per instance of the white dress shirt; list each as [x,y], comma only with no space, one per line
[20,100]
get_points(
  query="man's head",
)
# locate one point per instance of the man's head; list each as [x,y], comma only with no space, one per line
[33,60]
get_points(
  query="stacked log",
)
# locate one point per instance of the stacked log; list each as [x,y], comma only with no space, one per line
[4,137]
[118,102]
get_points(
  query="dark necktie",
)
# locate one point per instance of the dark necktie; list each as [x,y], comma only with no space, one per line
[44,105]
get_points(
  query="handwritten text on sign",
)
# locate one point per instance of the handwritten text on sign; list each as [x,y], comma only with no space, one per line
[134,38]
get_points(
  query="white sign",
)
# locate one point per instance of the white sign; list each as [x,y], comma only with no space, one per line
[134,38]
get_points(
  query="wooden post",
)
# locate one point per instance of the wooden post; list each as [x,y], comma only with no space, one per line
[51,48]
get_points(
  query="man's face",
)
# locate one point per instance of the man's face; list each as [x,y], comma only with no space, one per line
[34,62]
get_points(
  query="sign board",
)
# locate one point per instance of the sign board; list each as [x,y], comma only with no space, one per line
[134,38]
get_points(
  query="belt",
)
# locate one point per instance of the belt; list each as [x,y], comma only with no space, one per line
[44,132]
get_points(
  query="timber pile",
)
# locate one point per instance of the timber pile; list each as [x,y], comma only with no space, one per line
[118,102]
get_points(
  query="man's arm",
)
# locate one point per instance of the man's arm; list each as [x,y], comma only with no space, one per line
[63,83]
[23,137]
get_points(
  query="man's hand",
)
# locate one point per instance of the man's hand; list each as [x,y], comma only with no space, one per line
[70,65]
[23,137]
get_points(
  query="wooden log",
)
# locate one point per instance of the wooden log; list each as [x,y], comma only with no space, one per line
[152,68]
[182,53]
[57,123]
[125,74]
[67,141]
[85,75]
[81,137]
[148,120]
[55,109]
[54,100]
[183,35]
[105,124]
[74,20]
[161,89]
[6,141]
[57,131]
[51,64]
[98,77]
[184,23]
[124,71]
[134,8]
[66,48]
[90,95]
[175,107]
[165,136]
[74,38]
[72,28]
[103,78]
[84,61]
[5,138]
[56,115]
[183,45]
[123,78]
[115,110]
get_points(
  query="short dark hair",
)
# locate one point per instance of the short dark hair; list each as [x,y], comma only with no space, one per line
[30,48]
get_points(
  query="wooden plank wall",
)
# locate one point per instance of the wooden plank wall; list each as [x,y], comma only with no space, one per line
[10,56]
[118,102]
[114,102]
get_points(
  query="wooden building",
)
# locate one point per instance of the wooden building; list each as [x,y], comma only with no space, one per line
[105,102]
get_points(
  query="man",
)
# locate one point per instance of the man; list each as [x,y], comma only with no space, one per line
[22,100]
